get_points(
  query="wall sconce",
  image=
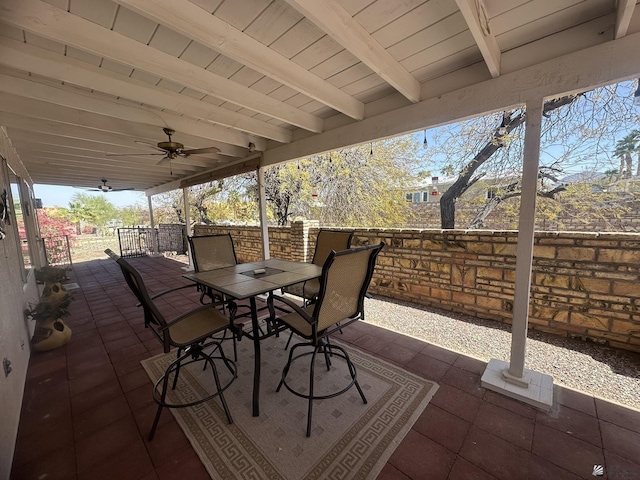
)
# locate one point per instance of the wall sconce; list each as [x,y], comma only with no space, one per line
[251,146]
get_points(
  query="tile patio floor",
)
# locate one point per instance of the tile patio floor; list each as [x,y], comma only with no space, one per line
[87,406]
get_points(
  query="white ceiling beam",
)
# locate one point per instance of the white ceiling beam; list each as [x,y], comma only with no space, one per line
[142,161]
[624,12]
[64,96]
[571,73]
[475,15]
[49,177]
[60,175]
[55,140]
[191,21]
[138,131]
[51,127]
[330,17]
[21,56]
[41,161]
[58,25]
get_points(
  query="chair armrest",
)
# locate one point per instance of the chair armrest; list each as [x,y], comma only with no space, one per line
[191,285]
[296,308]
[167,291]
[231,307]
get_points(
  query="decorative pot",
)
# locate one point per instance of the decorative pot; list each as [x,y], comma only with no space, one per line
[54,293]
[49,334]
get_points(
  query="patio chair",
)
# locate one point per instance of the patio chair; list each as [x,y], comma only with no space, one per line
[326,241]
[345,278]
[209,252]
[192,334]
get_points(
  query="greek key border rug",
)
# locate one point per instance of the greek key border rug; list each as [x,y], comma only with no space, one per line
[349,439]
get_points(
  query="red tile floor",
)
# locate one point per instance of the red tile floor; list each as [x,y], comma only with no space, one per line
[87,406]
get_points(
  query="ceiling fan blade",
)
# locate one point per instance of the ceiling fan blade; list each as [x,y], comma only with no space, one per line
[121,189]
[132,154]
[152,145]
[199,151]
[164,161]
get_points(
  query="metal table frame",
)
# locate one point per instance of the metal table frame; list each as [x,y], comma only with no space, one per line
[239,282]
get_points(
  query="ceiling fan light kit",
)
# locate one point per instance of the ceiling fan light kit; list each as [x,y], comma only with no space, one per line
[104,188]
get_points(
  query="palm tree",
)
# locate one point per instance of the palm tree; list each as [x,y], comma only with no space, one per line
[624,148]
[636,134]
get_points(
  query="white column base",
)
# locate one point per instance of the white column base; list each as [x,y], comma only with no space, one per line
[534,388]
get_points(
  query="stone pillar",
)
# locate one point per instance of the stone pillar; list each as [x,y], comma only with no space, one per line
[300,239]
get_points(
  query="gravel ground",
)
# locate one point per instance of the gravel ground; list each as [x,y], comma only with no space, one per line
[594,369]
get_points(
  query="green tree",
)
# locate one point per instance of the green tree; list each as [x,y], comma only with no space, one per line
[169,206]
[133,215]
[360,186]
[95,210]
[201,196]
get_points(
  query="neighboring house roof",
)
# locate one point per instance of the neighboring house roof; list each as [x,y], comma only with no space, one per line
[583,177]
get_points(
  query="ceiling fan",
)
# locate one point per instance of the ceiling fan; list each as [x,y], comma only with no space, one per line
[104,188]
[169,149]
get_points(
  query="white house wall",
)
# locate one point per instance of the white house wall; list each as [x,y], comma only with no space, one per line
[15,331]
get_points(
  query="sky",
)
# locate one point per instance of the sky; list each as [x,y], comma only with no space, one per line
[60,196]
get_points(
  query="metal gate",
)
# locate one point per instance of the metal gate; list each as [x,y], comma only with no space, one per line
[136,241]
[56,250]
[139,241]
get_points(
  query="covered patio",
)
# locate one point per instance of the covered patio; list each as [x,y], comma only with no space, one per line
[156,96]
[87,406]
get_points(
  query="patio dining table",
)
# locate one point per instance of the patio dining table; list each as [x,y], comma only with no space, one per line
[248,280]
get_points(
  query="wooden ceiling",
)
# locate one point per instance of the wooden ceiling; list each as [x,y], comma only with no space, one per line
[82,80]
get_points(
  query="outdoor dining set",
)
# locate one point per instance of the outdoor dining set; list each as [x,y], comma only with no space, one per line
[258,300]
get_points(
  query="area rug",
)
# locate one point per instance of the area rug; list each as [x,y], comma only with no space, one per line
[349,439]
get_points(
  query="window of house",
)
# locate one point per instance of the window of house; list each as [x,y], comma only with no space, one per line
[425,196]
[409,197]
[18,208]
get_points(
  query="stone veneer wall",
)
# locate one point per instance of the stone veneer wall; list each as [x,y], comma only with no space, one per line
[584,285]
[247,241]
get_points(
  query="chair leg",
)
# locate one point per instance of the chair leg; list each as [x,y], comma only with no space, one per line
[311,371]
[175,378]
[289,341]
[285,370]
[354,375]
[218,386]
[328,350]
[155,423]
[235,348]
[165,384]
[327,354]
